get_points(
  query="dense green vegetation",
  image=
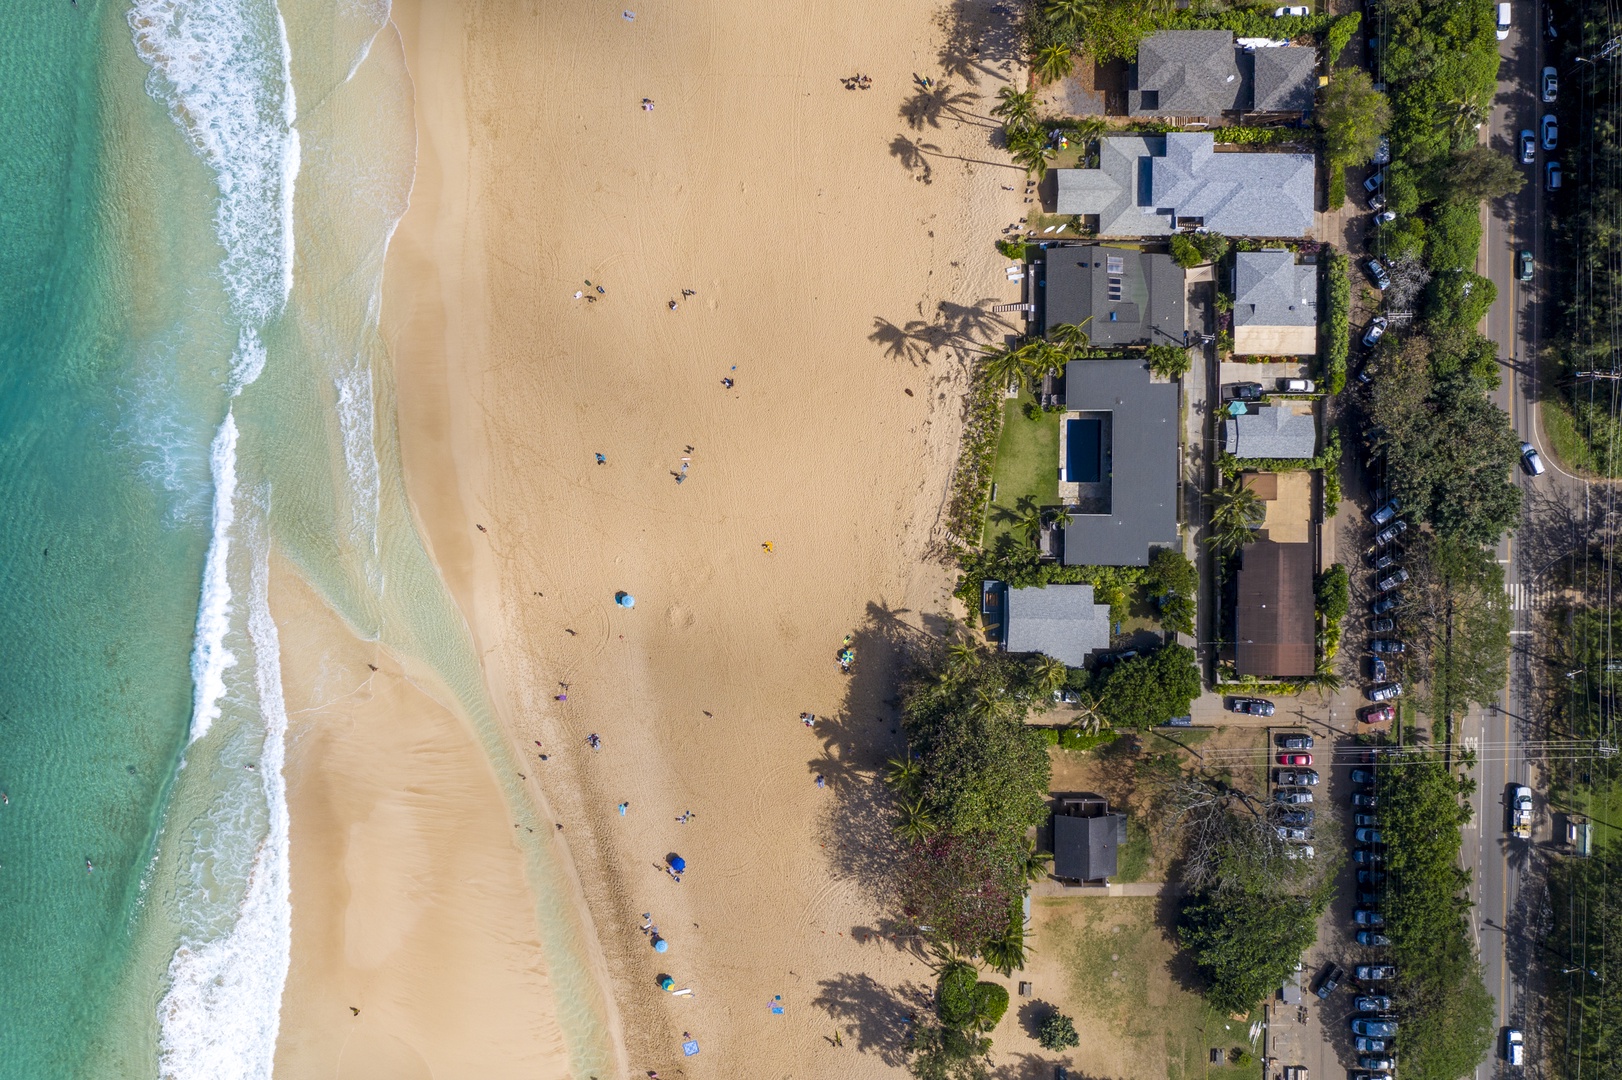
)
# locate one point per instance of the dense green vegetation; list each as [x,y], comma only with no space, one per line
[1194,249]
[1456,621]
[1111,29]
[1588,924]
[1337,315]
[1353,115]
[1445,1011]
[1057,1032]
[1589,240]
[1148,690]
[1334,600]
[1176,584]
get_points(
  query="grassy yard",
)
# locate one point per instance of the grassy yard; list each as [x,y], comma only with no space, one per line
[1110,964]
[1027,470]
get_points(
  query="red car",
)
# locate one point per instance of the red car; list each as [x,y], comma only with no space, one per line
[1377,714]
[1295,759]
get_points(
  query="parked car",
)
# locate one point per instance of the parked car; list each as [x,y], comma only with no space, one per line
[1371,1076]
[1514,1046]
[1294,836]
[1386,603]
[1296,819]
[1529,146]
[1377,669]
[1377,272]
[1375,972]
[1299,11]
[1383,560]
[1295,742]
[1369,1046]
[1377,1026]
[1377,201]
[1365,917]
[1551,82]
[1295,759]
[1367,899]
[1374,1061]
[1370,877]
[1525,266]
[1391,532]
[1372,937]
[1385,217]
[1551,176]
[1377,714]
[1503,22]
[1386,511]
[1392,580]
[1246,391]
[1329,979]
[1179,721]
[1251,706]
[1306,777]
[1386,645]
[1372,1003]
[1382,150]
[1374,181]
[1375,331]
[1364,802]
[1368,836]
[1296,386]
[1365,820]
[1367,857]
[1551,131]
[1385,691]
[1362,776]
[1292,798]
[1531,461]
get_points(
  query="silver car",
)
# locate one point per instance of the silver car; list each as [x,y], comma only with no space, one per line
[1551,85]
[1376,328]
[1531,461]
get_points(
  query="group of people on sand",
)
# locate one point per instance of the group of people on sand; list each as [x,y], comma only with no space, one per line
[857,82]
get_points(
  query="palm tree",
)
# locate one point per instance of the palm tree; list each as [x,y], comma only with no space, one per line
[1050,674]
[1031,151]
[1005,367]
[1069,14]
[1035,863]
[1007,952]
[1236,510]
[1054,62]
[916,822]
[1060,517]
[1070,336]
[962,658]
[904,773]
[991,702]
[1089,720]
[1016,107]
[1324,680]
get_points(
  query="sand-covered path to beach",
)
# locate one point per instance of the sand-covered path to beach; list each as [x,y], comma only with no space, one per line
[837,245]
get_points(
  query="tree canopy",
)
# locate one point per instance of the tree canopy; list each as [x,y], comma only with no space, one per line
[1149,690]
[1353,116]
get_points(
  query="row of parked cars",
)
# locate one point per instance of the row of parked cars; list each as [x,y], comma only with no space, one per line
[1374,1028]
[1389,578]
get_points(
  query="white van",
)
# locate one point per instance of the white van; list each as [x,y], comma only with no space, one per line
[1503,21]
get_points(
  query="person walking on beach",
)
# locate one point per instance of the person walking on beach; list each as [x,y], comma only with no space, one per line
[623,807]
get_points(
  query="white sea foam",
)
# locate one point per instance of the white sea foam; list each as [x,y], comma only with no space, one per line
[211,657]
[222,1012]
[357,423]
[224,69]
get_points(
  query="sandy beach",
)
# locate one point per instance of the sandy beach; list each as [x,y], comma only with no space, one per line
[828,250]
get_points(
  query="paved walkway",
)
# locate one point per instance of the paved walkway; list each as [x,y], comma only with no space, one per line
[1050,887]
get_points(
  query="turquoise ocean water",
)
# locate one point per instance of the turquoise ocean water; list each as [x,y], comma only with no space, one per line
[196,197]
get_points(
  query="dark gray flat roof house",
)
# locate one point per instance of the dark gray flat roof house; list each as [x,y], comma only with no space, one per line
[1139,509]
[1087,840]
[1202,74]
[1132,297]
[1061,621]
[1154,185]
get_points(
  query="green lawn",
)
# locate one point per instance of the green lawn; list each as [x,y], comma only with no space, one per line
[1027,471]
[1117,961]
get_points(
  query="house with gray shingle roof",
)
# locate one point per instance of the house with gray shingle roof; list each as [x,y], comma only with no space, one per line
[1150,185]
[1202,74]
[1272,431]
[1060,621]
[1275,304]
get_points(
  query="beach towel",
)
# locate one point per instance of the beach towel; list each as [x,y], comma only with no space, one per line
[690,1047]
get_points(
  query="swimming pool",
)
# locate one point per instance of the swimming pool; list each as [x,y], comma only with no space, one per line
[1083,449]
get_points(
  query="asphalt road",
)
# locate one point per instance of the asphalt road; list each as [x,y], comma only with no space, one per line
[1515,322]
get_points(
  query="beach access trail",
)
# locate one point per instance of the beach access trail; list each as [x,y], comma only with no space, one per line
[739,215]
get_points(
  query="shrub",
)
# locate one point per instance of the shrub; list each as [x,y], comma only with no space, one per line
[1149,690]
[1340,34]
[1184,252]
[1337,186]
[1262,136]
[1455,236]
[955,999]
[1169,361]
[1458,300]
[1058,1032]
[1013,249]
[990,1003]
[1337,329]
[1212,245]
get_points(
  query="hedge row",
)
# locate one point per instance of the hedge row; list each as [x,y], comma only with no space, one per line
[1337,326]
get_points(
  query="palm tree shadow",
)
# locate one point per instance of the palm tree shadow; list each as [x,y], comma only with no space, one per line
[928,105]
[878,1017]
[914,157]
[979,38]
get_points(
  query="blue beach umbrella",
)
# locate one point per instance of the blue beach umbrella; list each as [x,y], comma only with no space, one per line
[677,863]
[625,599]
[660,945]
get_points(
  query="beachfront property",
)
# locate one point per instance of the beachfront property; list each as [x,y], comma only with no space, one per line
[1275,622]
[1087,839]
[1275,304]
[1061,621]
[1155,185]
[1119,456]
[1206,75]
[1285,430]
[1121,296]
